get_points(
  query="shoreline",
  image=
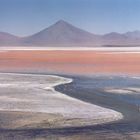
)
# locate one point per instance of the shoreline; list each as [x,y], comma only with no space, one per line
[73,48]
[85,114]
[121,129]
[124,109]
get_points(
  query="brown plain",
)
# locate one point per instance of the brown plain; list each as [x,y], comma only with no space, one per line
[73,62]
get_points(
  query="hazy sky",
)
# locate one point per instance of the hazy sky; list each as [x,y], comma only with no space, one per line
[25,17]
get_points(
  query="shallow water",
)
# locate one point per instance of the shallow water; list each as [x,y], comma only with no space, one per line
[91,89]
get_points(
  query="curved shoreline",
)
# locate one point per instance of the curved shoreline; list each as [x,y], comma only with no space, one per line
[121,129]
[85,114]
[105,99]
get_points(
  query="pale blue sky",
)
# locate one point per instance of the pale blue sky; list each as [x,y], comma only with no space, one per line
[25,17]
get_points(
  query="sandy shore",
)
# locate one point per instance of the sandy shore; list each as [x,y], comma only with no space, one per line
[50,126]
[35,94]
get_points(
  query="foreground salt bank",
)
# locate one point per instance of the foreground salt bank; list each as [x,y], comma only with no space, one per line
[28,93]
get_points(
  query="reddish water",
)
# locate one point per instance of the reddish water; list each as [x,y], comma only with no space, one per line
[81,62]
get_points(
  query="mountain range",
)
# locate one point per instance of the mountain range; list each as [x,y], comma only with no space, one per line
[65,34]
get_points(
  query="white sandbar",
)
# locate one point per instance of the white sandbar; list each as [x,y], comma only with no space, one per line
[35,93]
[128,90]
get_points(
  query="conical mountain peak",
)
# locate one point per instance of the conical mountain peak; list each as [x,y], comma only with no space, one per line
[61,33]
[61,22]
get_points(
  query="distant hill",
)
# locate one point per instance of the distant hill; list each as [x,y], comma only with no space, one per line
[118,39]
[134,34]
[7,39]
[65,34]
